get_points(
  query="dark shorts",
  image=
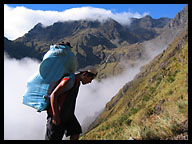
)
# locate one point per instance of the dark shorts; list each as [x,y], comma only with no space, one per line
[56,132]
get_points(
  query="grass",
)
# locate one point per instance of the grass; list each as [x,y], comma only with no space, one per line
[158,102]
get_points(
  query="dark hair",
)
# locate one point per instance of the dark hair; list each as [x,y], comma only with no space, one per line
[89,74]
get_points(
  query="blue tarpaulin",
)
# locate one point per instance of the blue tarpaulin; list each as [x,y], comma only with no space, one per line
[57,62]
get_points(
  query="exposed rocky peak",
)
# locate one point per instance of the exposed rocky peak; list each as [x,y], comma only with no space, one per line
[180,20]
[149,22]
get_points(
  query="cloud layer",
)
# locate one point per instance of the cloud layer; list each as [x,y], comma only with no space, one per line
[19,20]
[20,122]
[24,123]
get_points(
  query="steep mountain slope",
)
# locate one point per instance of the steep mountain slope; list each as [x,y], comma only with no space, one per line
[155,104]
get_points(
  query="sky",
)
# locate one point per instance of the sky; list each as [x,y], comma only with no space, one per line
[26,16]
[155,10]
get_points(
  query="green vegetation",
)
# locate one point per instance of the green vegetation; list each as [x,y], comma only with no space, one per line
[155,104]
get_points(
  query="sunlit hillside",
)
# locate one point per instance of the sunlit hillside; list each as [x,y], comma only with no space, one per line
[152,106]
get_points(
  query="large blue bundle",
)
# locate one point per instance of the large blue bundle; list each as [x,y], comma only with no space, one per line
[57,62]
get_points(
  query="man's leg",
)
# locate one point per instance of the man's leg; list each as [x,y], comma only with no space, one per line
[54,132]
[73,129]
[75,137]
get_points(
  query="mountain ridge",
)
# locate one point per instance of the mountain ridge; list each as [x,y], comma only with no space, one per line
[89,38]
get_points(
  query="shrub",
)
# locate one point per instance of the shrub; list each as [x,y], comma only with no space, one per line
[145,97]
[152,90]
[128,122]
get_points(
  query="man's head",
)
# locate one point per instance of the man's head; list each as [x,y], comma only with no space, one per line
[63,43]
[88,74]
[68,44]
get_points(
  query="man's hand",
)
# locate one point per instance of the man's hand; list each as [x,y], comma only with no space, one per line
[56,120]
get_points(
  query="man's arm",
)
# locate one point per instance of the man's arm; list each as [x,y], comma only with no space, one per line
[54,101]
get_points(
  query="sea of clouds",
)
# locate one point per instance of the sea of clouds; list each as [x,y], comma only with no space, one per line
[23,122]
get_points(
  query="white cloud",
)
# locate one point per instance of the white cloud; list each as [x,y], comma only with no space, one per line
[19,20]
[23,122]
[20,122]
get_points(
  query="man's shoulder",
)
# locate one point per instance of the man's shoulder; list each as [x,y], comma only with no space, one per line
[70,77]
[68,82]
